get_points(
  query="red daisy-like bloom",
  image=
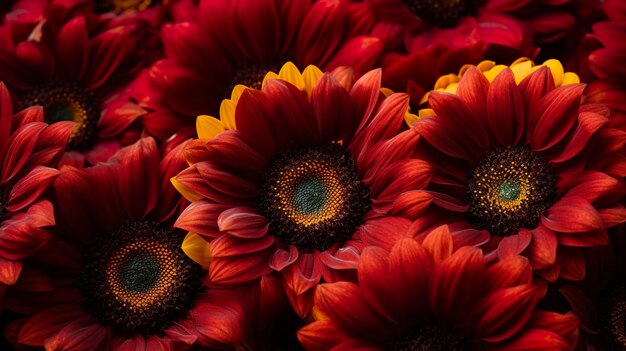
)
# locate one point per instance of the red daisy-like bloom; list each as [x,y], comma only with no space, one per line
[74,63]
[425,296]
[28,150]
[534,165]
[238,42]
[154,11]
[114,277]
[439,36]
[292,177]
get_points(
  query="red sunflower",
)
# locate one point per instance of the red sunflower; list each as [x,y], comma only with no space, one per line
[28,150]
[74,64]
[439,36]
[291,176]
[114,277]
[532,164]
[238,42]
[425,296]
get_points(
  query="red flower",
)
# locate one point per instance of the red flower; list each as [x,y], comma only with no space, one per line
[532,164]
[296,185]
[73,64]
[424,296]
[114,275]
[28,150]
[238,42]
[438,37]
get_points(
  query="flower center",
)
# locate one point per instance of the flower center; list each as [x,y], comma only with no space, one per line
[510,189]
[612,311]
[313,197]
[440,13]
[67,102]
[126,6]
[251,76]
[138,280]
[431,338]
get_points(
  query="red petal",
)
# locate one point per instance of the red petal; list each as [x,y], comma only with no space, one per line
[331,104]
[411,204]
[514,244]
[227,245]
[243,222]
[201,217]
[19,148]
[537,339]
[318,32]
[137,183]
[554,115]
[29,188]
[283,258]
[455,284]
[364,95]
[346,306]
[72,49]
[439,243]
[239,269]
[505,110]
[320,335]
[542,248]
[509,272]
[501,314]
[107,49]
[572,215]
[48,323]
[304,274]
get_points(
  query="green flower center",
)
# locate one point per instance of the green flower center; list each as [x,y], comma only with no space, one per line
[313,197]
[510,189]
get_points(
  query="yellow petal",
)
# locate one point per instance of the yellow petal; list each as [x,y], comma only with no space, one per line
[410,118]
[493,72]
[486,65]
[185,191]
[290,73]
[426,112]
[570,78]
[557,71]
[451,88]
[521,69]
[386,91]
[208,127]
[311,76]
[198,249]
[318,315]
[227,114]
[268,75]
[237,91]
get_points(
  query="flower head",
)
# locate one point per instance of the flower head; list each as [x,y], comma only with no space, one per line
[115,274]
[238,42]
[530,162]
[29,152]
[289,175]
[428,296]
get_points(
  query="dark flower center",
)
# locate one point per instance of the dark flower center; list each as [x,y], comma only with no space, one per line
[251,76]
[138,280]
[126,6]
[510,189]
[432,338]
[440,13]
[313,197]
[67,102]
[612,311]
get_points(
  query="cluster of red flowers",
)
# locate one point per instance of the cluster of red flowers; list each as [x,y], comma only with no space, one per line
[402,175]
